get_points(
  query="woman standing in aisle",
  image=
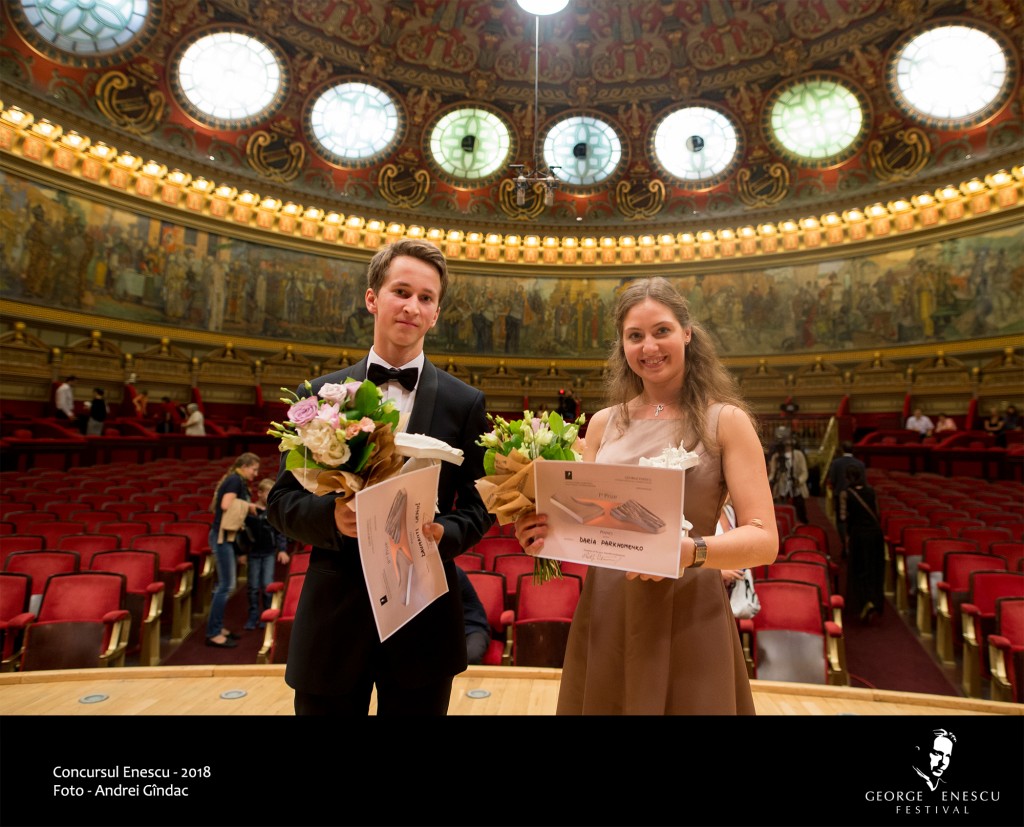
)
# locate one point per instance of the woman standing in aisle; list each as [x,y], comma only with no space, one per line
[230,506]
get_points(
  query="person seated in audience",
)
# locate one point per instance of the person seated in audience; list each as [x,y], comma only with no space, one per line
[995,424]
[478,630]
[920,423]
[1011,419]
[945,424]
[194,426]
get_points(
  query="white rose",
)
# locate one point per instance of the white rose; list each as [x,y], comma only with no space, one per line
[322,440]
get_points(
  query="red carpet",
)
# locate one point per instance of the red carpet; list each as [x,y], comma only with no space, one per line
[889,654]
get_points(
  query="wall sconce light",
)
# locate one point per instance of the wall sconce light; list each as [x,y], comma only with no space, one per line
[951,201]
[748,240]
[856,223]
[927,209]
[1001,183]
[902,212]
[978,195]
[880,223]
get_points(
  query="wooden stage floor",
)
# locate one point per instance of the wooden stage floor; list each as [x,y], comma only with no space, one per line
[481,690]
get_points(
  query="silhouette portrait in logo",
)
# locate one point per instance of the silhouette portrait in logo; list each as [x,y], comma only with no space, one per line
[932,758]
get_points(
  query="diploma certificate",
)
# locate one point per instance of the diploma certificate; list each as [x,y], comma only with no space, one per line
[626,517]
[401,564]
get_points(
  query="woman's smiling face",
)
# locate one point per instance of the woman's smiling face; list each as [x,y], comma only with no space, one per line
[654,343]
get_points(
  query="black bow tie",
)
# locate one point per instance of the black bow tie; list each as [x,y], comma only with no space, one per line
[378,374]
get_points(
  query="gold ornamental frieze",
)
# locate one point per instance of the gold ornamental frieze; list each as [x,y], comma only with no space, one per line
[403,185]
[533,204]
[640,199]
[131,101]
[763,184]
[274,156]
[899,154]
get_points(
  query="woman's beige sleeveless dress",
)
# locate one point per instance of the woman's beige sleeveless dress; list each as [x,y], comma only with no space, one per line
[656,648]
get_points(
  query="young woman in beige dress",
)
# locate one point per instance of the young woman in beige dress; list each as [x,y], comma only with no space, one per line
[648,645]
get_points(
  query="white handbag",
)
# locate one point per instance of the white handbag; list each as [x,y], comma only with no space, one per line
[743,598]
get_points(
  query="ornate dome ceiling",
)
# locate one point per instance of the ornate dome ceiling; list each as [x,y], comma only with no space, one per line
[653,115]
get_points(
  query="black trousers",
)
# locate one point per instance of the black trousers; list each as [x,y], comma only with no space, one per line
[426,699]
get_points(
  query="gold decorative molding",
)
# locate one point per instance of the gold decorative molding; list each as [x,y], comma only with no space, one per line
[272,155]
[402,185]
[640,199]
[129,102]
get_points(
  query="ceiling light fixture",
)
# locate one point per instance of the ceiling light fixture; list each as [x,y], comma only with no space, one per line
[525,177]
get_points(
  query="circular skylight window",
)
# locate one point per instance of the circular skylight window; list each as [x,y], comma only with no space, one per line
[353,122]
[695,143]
[586,149]
[229,78]
[86,30]
[470,144]
[951,75]
[817,119]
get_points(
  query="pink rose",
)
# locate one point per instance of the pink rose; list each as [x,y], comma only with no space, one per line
[330,414]
[338,393]
[304,411]
[363,425]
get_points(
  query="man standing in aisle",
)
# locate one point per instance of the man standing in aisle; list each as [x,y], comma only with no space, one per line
[335,655]
[837,484]
[64,399]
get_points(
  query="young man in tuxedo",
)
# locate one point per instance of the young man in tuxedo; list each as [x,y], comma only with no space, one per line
[335,655]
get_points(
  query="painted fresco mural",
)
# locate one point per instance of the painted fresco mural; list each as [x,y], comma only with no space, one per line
[59,249]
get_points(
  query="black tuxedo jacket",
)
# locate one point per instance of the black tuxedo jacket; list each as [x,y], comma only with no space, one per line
[334,640]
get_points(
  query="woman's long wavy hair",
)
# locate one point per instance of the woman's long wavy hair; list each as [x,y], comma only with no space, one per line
[705,379]
[243,461]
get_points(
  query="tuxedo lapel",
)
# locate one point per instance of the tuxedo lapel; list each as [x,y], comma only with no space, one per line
[426,395]
[358,370]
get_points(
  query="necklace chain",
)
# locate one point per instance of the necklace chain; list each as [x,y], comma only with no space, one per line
[658,406]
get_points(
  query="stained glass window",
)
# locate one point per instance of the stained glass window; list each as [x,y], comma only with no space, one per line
[86,27]
[229,78]
[818,119]
[586,149]
[354,121]
[470,144]
[695,143]
[956,75]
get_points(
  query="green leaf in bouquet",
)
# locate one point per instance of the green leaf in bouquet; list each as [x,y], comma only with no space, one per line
[489,462]
[367,398]
[360,455]
[556,424]
[298,458]
[391,417]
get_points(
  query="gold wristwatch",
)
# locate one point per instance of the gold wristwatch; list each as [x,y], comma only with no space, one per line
[700,551]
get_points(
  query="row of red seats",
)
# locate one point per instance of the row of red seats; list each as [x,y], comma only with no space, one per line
[956,555]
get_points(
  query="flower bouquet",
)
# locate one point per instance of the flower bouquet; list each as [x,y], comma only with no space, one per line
[678,458]
[512,447]
[340,439]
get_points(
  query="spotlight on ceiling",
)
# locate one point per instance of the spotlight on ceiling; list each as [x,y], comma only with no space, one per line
[468,143]
[580,150]
[526,178]
[542,7]
[695,143]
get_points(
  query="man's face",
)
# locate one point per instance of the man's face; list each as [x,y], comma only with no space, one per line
[939,754]
[405,308]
